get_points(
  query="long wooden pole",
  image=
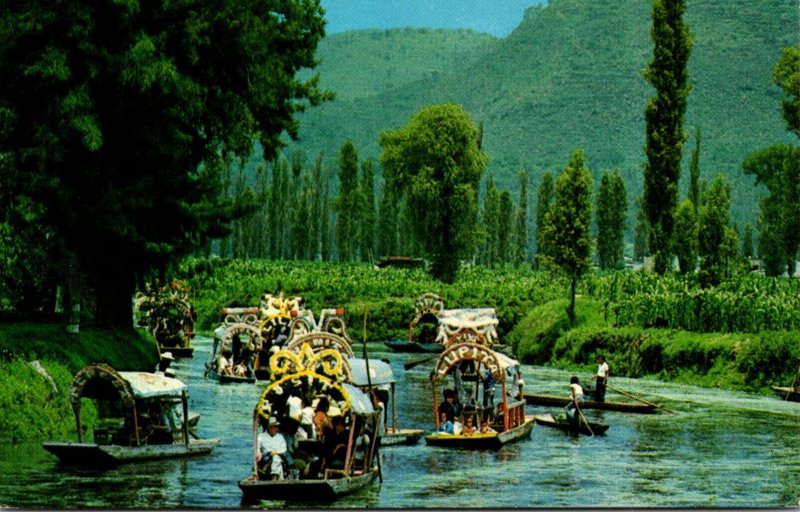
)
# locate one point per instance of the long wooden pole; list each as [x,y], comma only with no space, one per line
[580,412]
[622,391]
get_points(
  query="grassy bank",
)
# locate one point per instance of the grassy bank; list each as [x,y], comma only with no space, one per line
[34,408]
[745,361]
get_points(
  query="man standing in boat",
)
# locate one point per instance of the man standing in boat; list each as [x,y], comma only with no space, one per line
[601,379]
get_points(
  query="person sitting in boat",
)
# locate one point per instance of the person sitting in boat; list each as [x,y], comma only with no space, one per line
[451,406]
[224,366]
[163,363]
[445,425]
[248,355]
[271,450]
[576,393]
[485,428]
[295,458]
[321,420]
[158,419]
[499,415]
[469,427]
[334,445]
[488,389]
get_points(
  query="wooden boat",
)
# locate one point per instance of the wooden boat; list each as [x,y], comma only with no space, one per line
[478,441]
[307,373]
[169,317]
[468,364]
[790,394]
[548,420]
[422,328]
[380,381]
[562,401]
[239,323]
[147,427]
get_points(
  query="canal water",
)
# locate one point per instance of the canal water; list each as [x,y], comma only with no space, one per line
[719,449]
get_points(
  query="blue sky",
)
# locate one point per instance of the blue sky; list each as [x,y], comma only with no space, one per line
[496,17]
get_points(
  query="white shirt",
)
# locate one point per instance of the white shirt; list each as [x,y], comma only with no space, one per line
[602,370]
[577,390]
[268,443]
[295,404]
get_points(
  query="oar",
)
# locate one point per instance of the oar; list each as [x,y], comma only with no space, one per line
[659,406]
[580,412]
[411,364]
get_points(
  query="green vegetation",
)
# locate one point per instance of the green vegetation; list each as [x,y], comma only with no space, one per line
[32,409]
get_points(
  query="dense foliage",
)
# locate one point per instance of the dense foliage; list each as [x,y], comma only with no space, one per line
[116,119]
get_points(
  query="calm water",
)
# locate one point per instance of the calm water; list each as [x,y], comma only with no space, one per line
[720,449]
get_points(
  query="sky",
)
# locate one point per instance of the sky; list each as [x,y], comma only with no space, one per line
[496,17]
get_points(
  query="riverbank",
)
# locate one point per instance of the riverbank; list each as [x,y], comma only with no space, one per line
[37,364]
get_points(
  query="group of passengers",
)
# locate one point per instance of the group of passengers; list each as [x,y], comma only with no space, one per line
[455,419]
[238,359]
[280,455]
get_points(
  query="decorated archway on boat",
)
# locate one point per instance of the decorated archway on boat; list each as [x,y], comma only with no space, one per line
[426,311]
[168,315]
[277,313]
[477,325]
[320,341]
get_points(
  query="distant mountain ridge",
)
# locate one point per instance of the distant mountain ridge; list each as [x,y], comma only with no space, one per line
[569,76]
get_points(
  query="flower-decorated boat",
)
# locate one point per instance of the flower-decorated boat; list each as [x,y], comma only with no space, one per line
[139,423]
[300,377]
[422,328]
[475,369]
[239,341]
[168,315]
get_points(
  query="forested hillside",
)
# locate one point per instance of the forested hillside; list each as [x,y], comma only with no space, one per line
[569,76]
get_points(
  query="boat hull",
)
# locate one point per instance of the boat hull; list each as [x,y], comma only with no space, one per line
[560,401]
[178,351]
[402,436]
[787,393]
[493,441]
[549,421]
[313,490]
[229,379]
[96,454]
[407,346]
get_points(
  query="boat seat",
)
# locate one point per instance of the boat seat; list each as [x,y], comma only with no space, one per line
[334,473]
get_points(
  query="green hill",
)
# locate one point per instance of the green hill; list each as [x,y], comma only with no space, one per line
[569,76]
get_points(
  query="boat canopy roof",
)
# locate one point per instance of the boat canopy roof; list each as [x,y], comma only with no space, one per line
[360,402]
[102,382]
[380,373]
[483,321]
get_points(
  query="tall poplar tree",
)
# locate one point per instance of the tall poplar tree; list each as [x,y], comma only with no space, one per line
[713,226]
[387,222]
[543,200]
[521,222]
[686,236]
[568,224]
[347,202]
[368,217]
[612,203]
[491,211]
[505,227]
[667,72]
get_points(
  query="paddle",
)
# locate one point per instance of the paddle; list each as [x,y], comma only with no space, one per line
[585,421]
[659,406]
[369,385]
[411,364]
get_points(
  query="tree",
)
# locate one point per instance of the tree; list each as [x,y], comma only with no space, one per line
[387,221]
[694,173]
[748,248]
[778,167]
[491,214]
[543,200]
[641,232]
[568,224]
[368,216]
[667,72]
[436,161]
[686,233]
[521,222]
[714,217]
[786,75]
[505,226]
[612,203]
[347,207]
[118,118]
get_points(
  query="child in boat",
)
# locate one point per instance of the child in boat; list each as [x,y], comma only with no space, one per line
[576,393]
[485,428]
[469,427]
[445,425]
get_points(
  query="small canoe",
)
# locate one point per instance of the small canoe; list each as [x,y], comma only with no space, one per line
[236,379]
[178,351]
[548,420]
[401,436]
[96,454]
[409,346]
[787,393]
[490,441]
[311,490]
[562,401]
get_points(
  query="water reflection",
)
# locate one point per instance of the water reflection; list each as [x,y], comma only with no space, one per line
[723,449]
